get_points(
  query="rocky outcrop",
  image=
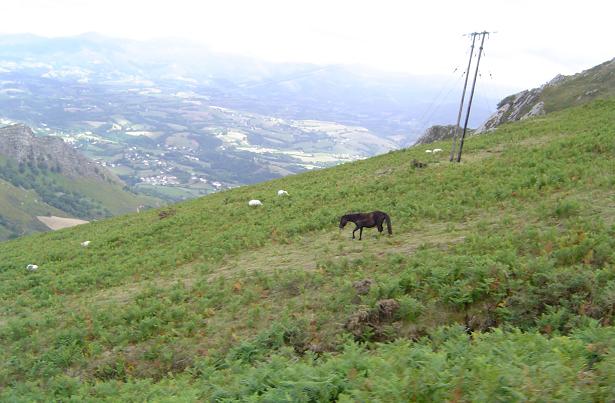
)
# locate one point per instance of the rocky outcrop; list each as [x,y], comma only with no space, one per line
[19,143]
[537,109]
[515,107]
[523,105]
[559,93]
[435,133]
[439,132]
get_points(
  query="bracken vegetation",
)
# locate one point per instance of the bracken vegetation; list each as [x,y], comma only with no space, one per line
[497,285]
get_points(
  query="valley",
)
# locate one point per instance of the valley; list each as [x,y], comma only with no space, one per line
[173,145]
[181,124]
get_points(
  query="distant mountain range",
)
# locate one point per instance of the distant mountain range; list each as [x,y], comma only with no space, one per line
[43,177]
[175,120]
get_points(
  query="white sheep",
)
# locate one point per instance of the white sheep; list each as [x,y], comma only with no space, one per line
[428,151]
[32,267]
[437,150]
[282,193]
[255,203]
[85,243]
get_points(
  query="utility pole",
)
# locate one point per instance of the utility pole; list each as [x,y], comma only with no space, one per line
[465,125]
[463,95]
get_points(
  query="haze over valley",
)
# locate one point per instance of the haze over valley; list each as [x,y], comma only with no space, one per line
[175,120]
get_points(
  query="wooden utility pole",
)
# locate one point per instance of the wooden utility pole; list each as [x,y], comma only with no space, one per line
[465,125]
[463,95]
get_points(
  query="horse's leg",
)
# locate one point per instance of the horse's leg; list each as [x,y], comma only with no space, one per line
[380,229]
[360,233]
[355,229]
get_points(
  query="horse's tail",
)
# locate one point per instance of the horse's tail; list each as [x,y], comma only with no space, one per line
[388,220]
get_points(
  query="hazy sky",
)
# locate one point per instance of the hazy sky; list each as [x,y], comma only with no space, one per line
[534,41]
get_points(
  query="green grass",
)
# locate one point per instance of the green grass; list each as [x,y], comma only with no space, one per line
[18,211]
[176,193]
[27,193]
[595,83]
[111,196]
[221,302]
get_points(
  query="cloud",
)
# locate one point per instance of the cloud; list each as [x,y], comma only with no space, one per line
[534,39]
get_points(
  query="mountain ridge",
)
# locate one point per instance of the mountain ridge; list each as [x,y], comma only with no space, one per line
[44,176]
[18,142]
[559,93]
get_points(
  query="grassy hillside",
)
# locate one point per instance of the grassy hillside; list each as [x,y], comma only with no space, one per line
[115,199]
[595,83]
[30,191]
[18,211]
[497,284]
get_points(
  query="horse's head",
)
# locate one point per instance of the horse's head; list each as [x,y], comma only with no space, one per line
[343,221]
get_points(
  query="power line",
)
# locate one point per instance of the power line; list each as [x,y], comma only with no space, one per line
[465,125]
[440,96]
[435,105]
[463,94]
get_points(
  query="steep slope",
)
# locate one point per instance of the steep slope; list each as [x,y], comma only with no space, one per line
[44,176]
[211,300]
[18,209]
[560,93]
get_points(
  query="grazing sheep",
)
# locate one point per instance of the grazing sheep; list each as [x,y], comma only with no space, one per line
[32,267]
[255,203]
[85,243]
[428,151]
[282,193]
[437,150]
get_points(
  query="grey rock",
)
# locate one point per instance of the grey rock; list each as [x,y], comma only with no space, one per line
[363,286]
[436,133]
[19,143]
[555,80]
[514,107]
[537,110]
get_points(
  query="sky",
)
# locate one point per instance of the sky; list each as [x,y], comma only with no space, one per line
[532,40]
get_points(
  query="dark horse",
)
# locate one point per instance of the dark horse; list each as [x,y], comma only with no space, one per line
[367,220]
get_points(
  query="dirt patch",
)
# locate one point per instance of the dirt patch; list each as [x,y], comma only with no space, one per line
[56,223]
